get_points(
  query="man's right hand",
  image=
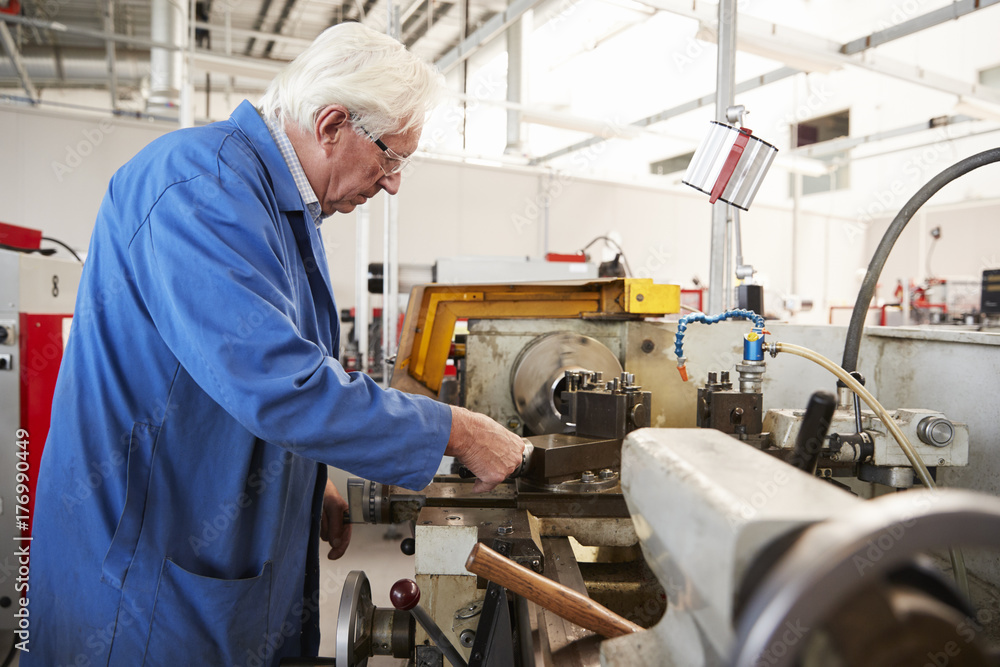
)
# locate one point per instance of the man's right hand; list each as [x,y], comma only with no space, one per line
[483,446]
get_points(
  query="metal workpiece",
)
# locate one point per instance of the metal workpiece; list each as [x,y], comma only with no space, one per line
[539,376]
[783,426]
[729,503]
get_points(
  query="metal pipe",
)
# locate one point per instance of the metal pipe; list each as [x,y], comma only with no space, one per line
[515,84]
[109,45]
[390,285]
[724,96]
[15,57]
[727,301]
[362,249]
[167,26]
[101,35]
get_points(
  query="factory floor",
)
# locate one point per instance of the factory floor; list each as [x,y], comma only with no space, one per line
[382,562]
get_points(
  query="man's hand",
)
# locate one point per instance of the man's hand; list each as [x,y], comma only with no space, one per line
[489,450]
[332,526]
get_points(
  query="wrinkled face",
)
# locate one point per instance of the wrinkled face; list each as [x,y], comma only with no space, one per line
[359,168]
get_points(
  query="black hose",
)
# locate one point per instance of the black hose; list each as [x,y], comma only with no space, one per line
[853,344]
[71,251]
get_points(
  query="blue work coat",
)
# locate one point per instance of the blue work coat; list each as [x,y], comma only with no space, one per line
[198,401]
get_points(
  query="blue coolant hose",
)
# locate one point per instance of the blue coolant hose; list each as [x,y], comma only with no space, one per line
[682,323]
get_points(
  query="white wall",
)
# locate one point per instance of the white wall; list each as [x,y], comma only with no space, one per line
[969,244]
[58,167]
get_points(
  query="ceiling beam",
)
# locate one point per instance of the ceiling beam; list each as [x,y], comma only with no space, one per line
[258,23]
[101,35]
[799,48]
[841,144]
[952,12]
[286,11]
[15,57]
[210,61]
[703,101]
[257,34]
[486,32]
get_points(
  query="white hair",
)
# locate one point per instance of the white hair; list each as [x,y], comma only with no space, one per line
[387,89]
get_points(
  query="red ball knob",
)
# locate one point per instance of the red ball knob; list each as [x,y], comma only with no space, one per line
[404,594]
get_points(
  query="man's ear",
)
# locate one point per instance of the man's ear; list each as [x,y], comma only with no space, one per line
[331,123]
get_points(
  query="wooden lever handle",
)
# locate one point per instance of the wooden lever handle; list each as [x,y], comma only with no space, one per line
[551,595]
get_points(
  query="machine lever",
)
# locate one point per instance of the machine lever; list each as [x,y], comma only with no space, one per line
[551,595]
[404,595]
[812,433]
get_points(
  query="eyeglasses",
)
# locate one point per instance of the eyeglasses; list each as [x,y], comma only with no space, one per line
[401,162]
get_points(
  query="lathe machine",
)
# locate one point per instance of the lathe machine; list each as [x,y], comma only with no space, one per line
[715,520]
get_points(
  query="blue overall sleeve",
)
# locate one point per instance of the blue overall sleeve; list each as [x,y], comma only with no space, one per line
[218,277]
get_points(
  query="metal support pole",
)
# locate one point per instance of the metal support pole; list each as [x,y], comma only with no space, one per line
[463,72]
[15,57]
[362,253]
[796,199]
[727,301]
[109,45]
[724,96]
[390,267]
[231,83]
[186,116]
[515,84]
[390,286]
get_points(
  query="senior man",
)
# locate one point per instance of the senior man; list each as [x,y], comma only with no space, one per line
[183,491]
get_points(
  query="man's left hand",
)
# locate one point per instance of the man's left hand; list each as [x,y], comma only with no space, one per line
[333,528]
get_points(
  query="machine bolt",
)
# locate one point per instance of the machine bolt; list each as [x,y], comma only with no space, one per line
[725,377]
[936,431]
[607,473]
[588,477]
[713,378]
[536,565]
[467,638]
[639,297]
[736,416]
[506,529]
